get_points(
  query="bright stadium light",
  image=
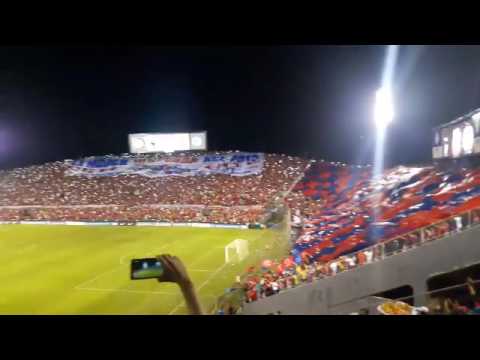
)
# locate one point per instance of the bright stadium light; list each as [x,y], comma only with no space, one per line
[383,113]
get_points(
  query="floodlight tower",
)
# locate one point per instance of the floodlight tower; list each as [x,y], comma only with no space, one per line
[383,113]
[383,116]
[384,109]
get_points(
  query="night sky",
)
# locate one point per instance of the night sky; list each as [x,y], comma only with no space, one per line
[58,103]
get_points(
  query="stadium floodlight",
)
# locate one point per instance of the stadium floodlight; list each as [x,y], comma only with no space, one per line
[383,112]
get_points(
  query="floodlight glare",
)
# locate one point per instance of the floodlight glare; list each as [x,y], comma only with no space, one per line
[383,114]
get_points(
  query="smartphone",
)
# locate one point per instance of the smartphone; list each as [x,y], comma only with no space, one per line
[148,268]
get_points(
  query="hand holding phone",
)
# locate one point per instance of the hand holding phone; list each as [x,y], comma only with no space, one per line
[165,268]
[174,270]
[147,268]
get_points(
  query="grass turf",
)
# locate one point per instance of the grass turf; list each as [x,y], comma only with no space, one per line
[85,270]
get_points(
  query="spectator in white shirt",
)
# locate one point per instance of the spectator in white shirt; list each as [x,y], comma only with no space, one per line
[368,255]
[334,267]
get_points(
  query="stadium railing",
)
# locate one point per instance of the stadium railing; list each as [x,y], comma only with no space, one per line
[417,237]
[406,242]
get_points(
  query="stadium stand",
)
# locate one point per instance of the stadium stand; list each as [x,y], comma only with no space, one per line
[348,219]
[49,192]
[344,217]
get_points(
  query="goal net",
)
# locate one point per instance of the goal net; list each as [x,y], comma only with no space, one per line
[236,251]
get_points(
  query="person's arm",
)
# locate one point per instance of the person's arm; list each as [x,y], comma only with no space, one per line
[191,298]
[175,272]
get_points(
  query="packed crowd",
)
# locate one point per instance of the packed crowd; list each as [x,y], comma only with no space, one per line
[277,277]
[215,215]
[345,219]
[272,277]
[367,211]
[53,194]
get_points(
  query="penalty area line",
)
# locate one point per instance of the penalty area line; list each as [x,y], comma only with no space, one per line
[150,253]
[200,287]
[116,268]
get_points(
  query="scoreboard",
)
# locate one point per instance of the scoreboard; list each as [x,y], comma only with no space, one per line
[167,142]
[458,138]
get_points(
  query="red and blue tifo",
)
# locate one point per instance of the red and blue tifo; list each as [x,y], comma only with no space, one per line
[355,211]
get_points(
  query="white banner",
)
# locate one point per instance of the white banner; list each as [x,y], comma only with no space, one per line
[235,164]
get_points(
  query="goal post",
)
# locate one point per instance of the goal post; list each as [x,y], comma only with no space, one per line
[236,251]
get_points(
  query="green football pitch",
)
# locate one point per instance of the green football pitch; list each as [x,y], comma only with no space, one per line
[86,270]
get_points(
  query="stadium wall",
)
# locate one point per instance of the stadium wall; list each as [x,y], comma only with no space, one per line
[349,291]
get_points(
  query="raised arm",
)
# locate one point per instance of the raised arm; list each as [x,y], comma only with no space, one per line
[174,271]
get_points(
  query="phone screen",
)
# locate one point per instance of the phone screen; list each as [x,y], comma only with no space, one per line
[149,268]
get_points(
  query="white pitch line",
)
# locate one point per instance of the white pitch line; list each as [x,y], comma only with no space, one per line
[122,264]
[199,288]
[128,291]
[116,268]
[213,274]
[210,277]
[155,252]
[122,258]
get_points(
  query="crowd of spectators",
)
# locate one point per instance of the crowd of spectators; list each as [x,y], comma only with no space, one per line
[48,192]
[346,219]
[216,215]
[272,277]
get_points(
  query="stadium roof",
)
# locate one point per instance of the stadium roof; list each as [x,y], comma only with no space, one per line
[460,119]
